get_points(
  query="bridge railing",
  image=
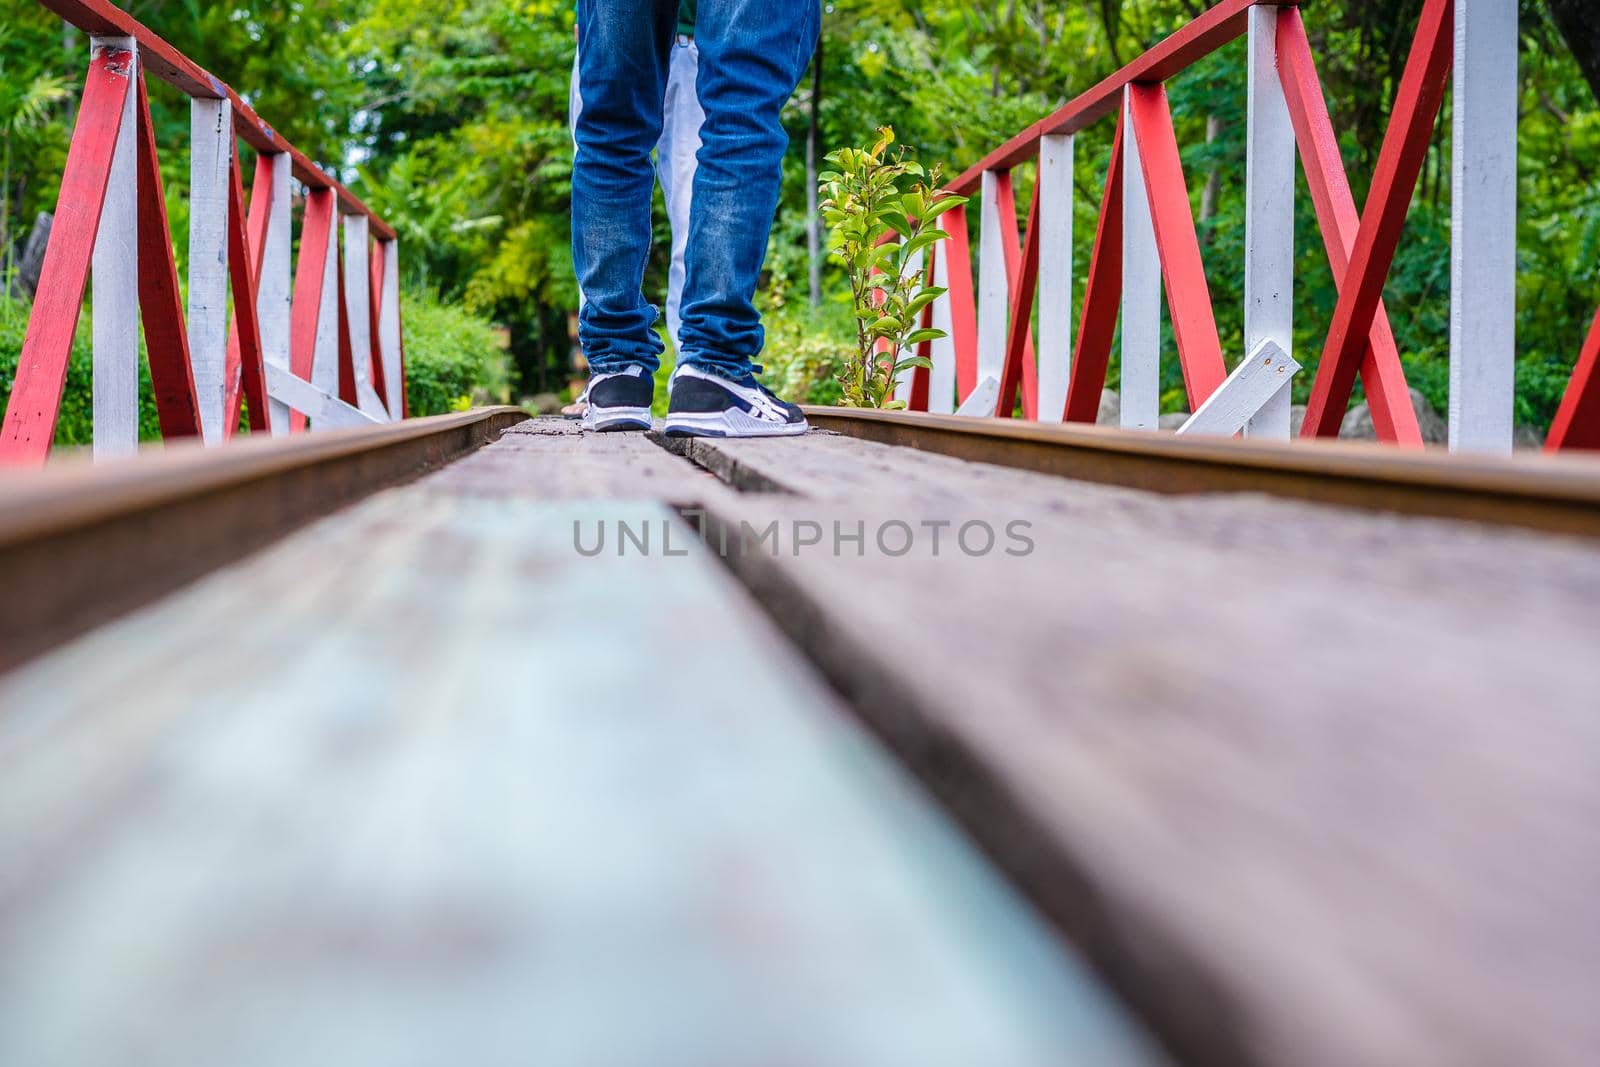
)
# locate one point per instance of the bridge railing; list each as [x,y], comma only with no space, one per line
[315,342]
[1146,237]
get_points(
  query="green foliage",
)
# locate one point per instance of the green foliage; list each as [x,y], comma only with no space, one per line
[454,359]
[881,210]
[75,424]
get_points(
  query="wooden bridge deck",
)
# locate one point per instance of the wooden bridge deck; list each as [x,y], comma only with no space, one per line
[422,783]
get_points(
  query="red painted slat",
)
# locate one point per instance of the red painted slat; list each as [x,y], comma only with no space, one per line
[1019,338]
[1381,373]
[1006,203]
[1577,422]
[1102,300]
[920,378]
[166,341]
[1194,323]
[246,245]
[1405,147]
[1221,24]
[963,306]
[347,363]
[374,304]
[309,268]
[30,422]
[256,247]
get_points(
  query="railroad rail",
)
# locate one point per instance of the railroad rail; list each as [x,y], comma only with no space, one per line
[315,344]
[1146,238]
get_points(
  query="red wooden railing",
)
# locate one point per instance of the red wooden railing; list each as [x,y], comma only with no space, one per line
[326,351]
[1146,230]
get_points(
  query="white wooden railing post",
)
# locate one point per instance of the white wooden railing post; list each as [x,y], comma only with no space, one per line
[1269,217]
[1055,274]
[210,156]
[1483,298]
[115,280]
[389,331]
[358,305]
[1141,291]
[274,294]
[994,295]
[942,378]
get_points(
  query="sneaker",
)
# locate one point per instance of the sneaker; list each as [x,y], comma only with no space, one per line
[705,405]
[618,401]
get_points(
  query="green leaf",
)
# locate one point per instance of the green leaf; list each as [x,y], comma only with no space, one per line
[928,334]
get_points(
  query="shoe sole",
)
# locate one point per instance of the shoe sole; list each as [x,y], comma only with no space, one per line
[612,420]
[729,424]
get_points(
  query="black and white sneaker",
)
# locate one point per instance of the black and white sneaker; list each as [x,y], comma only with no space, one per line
[619,401]
[705,405]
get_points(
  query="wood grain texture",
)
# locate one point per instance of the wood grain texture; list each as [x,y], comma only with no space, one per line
[475,821]
[1306,792]
[114,276]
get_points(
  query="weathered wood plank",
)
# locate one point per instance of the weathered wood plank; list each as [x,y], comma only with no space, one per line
[434,805]
[1313,787]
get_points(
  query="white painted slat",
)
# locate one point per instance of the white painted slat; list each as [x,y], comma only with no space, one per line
[115,280]
[1055,274]
[902,385]
[274,295]
[942,378]
[1269,216]
[325,360]
[1483,266]
[358,304]
[1255,383]
[210,153]
[325,410]
[982,399]
[389,330]
[1141,292]
[993,294]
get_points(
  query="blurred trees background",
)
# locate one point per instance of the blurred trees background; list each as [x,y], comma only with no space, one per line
[450,118]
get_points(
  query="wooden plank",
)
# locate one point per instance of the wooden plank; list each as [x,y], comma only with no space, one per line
[1257,381]
[1135,766]
[1269,215]
[380,847]
[390,340]
[1055,273]
[81,543]
[166,339]
[275,293]
[358,298]
[1194,324]
[993,280]
[1141,291]
[210,181]
[325,410]
[1102,298]
[114,274]
[1483,226]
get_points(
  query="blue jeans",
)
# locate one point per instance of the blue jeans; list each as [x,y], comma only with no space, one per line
[752,54]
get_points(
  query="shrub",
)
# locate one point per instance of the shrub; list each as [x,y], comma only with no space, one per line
[454,359]
[75,423]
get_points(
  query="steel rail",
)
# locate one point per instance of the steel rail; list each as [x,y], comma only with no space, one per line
[83,543]
[1557,494]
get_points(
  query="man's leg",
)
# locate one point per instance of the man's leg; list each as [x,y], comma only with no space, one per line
[752,54]
[675,163]
[622,64]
